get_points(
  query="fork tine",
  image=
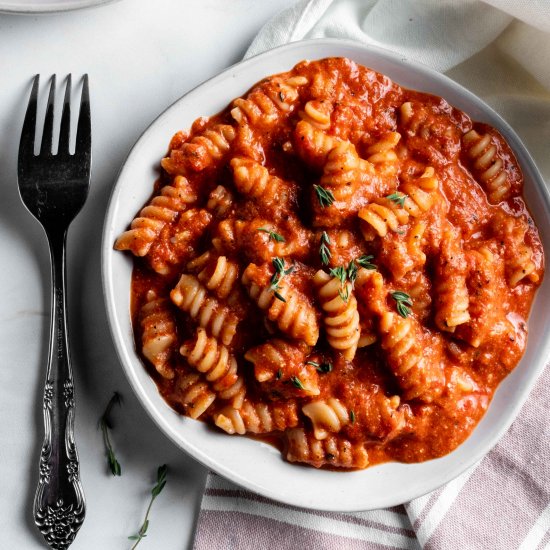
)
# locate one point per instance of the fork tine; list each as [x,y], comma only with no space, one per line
[47,134]
[26,145]
[84,128]
[65,130]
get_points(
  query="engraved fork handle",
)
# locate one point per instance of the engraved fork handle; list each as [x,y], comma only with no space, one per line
[59,506]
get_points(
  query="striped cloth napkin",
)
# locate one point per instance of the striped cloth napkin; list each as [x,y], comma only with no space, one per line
[500,50]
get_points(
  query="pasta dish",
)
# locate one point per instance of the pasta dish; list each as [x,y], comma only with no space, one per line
[336,264]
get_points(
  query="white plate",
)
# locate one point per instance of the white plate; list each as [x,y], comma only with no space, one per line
[46,6]
[258,466]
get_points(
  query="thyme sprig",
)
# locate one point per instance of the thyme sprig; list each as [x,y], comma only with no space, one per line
[105,425]
[323,368]
[403,301]
[325,196]
[272,235]
[280,272]
[324,250]
[365,261]
[155,492]
[344,274]
[397,198]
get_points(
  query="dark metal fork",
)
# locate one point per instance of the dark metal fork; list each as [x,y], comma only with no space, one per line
[54,189]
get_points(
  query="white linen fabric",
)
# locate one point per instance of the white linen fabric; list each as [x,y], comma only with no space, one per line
[500,50]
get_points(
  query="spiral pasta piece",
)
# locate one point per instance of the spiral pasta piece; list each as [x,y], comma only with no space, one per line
[193,394]
[158,335]
[201,151]
[280,366]
[258,417]
[219,366]
[381,215]
[250,238]
[264,107]
[420,193]
[333,450]
[414,360]
[312,144]
[416,374]
[317,113]
[219,276]
[485,279]
[254,180]
[345,170]
[220,201]
[341,319]
[294,316]
[161,210]
[190,296]
[168,253]
[518,255]
[487,165]
[382,154]
[452,297]
[327,416]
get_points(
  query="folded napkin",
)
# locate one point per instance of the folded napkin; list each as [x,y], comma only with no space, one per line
[499,49]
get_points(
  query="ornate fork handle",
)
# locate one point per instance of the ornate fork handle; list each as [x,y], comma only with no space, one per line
[59,506]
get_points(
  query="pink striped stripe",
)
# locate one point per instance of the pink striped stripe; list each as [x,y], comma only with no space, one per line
[236,530]
[347,518]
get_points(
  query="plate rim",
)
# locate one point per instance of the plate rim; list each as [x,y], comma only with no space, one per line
[38,8]
[107,253]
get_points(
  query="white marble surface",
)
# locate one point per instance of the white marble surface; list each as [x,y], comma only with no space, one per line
[141,55]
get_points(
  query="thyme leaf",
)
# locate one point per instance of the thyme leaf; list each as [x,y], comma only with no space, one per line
[352,272]
[297,382]
[365,261]
[403,303]
[324,368]
[272,235]
[105,425]
[155,492]
[280,272]
[324,250]
[339,273]
[397,198]
[352,417]
[325,196]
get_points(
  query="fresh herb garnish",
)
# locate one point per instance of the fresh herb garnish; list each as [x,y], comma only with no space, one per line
[280,272]
[161,482]
[340,273]
[397,198]
[323,367]
[352,272]
[297,382]
[105,424]
[365,261]
[352,417]
[325,196]
[324,250]
[272,235]
[343,275]
[279,374]
[404,303]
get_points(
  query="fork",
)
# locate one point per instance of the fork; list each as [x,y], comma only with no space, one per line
[54,189]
